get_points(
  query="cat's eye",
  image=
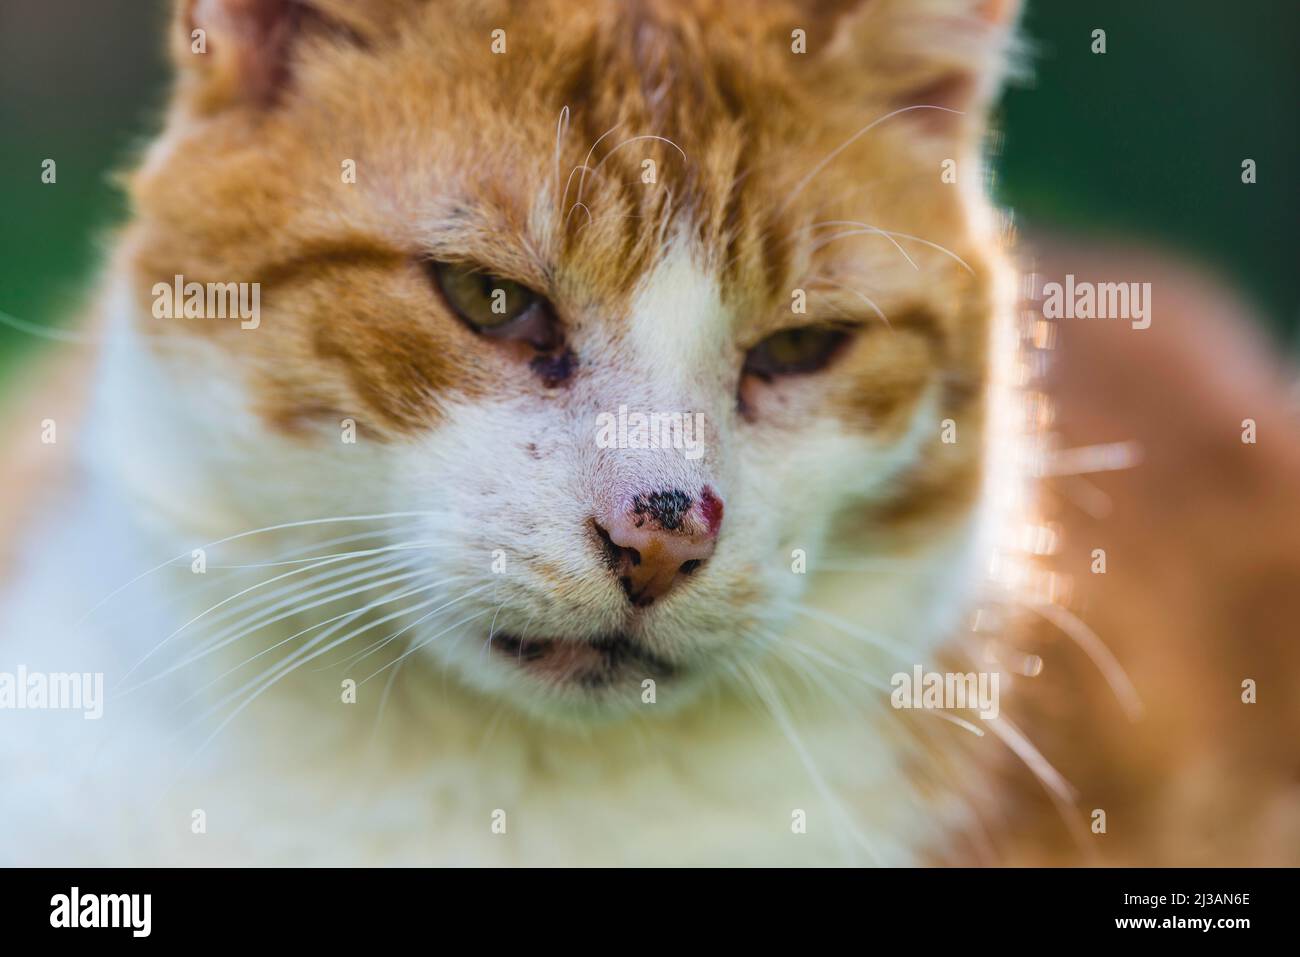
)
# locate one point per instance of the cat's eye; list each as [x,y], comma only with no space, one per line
[494,306]
[796,351]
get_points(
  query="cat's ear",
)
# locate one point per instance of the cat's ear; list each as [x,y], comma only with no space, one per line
[234,51]
[242,52]
[950,54]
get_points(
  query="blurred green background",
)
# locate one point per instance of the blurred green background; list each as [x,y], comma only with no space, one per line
[1145,141]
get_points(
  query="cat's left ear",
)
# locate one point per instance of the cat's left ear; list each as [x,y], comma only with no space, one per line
[951,54]
[243,52]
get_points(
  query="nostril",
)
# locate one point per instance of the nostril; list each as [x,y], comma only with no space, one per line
[615,554]
[690,566]
[636,597]
[610,550]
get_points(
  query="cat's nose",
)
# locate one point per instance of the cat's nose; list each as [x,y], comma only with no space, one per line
[655,540]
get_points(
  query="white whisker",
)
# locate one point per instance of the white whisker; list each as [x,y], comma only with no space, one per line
[768,695]
[891,233]
[296,610]
[584,209]
[381,643]
[416,648]
[861,295]
[292,595]
[812,174]
[353,554]
[345,618]
[231,538]
[868,229]
[1092,645]
[224,601]
[633,139]
[561,127]
[587,162]
[861,634]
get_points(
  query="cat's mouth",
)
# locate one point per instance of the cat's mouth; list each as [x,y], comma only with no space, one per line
[591,663]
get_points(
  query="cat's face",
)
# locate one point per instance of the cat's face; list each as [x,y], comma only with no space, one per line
[492,253]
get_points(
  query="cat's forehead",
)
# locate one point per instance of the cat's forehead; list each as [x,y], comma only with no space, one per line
[574,150]
[568,150]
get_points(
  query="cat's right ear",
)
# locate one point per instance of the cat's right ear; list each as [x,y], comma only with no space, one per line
[943,59]
[232,52]
[243,52]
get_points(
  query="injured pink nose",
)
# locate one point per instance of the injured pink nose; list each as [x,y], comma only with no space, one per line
[658,539]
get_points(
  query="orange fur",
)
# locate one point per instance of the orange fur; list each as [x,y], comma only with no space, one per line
[456,157]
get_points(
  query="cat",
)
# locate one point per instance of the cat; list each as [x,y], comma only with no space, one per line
[364,584]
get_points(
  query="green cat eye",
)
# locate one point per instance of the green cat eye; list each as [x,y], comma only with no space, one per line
[487,302]
[795,351]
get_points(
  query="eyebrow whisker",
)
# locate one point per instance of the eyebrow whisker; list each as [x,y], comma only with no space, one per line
[861,295]
[561,127]
[867,228]
[830,157]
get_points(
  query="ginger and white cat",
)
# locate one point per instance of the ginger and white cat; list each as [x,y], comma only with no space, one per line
[362,582]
